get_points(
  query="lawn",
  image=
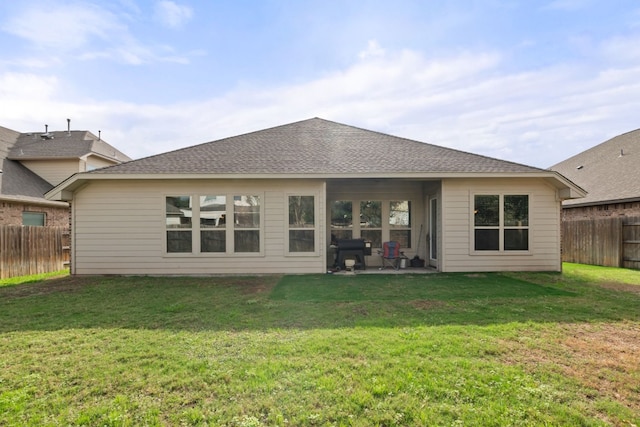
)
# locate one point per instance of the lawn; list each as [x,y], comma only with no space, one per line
[324,350]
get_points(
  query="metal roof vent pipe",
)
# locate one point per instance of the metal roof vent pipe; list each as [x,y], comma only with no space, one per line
[621,152]
[46,134]
[68,127]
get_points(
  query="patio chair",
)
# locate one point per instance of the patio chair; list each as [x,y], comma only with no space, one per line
[390,255]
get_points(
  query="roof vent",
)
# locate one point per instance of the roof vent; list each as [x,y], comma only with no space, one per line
[621,152]
[580,167]
[46,134]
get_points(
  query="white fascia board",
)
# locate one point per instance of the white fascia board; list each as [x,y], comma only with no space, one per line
[399,175]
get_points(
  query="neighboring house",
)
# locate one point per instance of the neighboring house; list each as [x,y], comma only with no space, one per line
[610,173]
[33,163]
[271,201]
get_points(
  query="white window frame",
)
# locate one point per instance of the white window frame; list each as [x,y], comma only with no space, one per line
[229,227]
[231,230]
[315,228]
[385,228]
[408,228]
[501,227]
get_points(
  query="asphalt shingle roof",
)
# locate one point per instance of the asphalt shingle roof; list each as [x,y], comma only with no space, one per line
[17,180]
[62,144]
[314,146]
[609,171]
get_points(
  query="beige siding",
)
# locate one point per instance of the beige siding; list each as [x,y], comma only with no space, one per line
[95,162]
[54,171]
[544,229]
[119,225]
[119,228]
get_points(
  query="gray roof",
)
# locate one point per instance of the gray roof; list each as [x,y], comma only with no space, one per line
[609,172]
[314,146]
[17,180]
[20,183]
[62,144]
[8,138]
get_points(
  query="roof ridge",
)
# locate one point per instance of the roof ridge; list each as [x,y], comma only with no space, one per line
[432,145]
[177,150]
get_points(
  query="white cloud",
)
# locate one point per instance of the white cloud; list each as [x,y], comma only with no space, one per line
[87,31]
[462,101]
[171,14]
[622,48]
[63,27]
[373,49]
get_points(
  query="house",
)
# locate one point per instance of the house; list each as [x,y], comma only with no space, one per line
[271,201]
[610,172]
[33,163]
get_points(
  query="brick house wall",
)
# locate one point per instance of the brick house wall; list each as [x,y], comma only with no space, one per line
[630,209]
[11,213]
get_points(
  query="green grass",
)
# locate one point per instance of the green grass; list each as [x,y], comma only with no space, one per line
[12,281]
[322,350]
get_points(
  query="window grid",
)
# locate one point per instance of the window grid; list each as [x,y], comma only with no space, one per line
[501,222]
[199,224]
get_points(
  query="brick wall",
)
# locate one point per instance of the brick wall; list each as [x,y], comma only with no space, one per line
[11,214]
[602,211]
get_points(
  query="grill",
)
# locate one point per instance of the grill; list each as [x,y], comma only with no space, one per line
[355,249]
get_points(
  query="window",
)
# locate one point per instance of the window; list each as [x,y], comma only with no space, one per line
[178,223]
[400,222]
[302,224]
[33,218]
[213,223]
[371,222]
[341,220]
[516,223]
[501,222]
[246,221]
[376,221]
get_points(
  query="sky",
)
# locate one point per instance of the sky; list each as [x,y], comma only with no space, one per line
[531,81]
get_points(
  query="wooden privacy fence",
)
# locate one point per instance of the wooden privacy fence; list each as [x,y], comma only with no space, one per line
[612,242]
[28,250]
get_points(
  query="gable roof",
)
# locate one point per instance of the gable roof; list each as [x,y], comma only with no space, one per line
[610,171]
[63,145]
[314,146]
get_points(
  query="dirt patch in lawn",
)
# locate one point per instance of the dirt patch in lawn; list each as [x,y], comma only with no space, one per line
[425,304]
[604,358]
[256,285]
[45,287]
[624,287]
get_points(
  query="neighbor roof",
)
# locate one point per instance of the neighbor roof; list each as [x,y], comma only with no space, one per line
[610,171]
[62,145]
[18,183]
[314,146]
